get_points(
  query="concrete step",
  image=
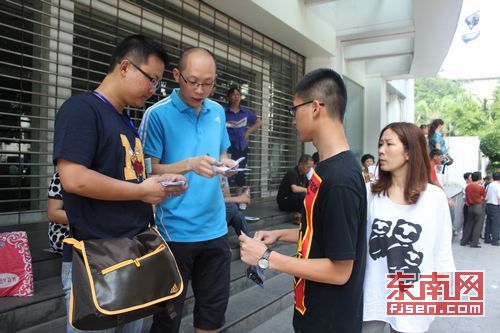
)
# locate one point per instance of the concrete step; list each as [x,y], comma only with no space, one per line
[239,281]
[279,323]
[253,306]
[53,326]
[19,313]
[45,312]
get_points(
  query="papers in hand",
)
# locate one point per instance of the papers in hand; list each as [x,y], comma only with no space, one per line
[239,160]
[170,183]
[225,168]
[233,169]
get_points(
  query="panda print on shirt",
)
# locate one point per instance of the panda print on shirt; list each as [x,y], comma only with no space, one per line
[398,247]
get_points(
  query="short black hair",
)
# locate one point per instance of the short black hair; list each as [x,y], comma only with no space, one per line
[496,175]
[467,175]
[326,86]
[138,48]
[367,157]
[435,152]
[315,157]
[304,159]
[185,54]
[476,176]
[233,89]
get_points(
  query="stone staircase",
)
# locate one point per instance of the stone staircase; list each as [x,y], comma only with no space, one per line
[249,305]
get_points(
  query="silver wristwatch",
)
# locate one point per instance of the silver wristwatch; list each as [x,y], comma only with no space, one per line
[264,260]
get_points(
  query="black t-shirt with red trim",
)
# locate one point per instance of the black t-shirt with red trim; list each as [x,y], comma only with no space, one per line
[333,227]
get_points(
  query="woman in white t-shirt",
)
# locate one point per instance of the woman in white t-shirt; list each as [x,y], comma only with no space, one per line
[408,229]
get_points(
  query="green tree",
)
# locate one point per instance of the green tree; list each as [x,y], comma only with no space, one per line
[493,110]
[490,146]
[450,101]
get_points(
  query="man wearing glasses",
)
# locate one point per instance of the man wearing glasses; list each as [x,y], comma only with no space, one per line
[329,266]
[99,155]
[186,133]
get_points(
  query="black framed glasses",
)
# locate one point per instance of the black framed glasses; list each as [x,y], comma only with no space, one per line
[194,84]
[154,82]
[293,109]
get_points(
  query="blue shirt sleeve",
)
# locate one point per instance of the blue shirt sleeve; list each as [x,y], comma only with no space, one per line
[152,134]
[443,144]
[252,119]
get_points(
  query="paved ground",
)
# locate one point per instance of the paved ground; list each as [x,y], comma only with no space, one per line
[486,258]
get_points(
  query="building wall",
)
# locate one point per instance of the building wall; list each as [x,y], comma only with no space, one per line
[466,158]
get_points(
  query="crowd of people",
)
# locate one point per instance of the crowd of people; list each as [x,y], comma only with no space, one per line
[357,223]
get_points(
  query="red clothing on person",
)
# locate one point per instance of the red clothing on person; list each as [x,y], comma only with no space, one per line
[434,177]
[474,194]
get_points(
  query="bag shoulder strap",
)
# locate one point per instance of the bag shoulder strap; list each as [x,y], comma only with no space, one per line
[72,241]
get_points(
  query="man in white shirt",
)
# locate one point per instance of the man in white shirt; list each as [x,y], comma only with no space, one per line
[461,222]
[492,231]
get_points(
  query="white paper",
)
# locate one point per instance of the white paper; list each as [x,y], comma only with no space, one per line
[233,169]
[170,183]
[225,169]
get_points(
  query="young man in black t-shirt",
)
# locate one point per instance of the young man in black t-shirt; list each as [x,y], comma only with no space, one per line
[99,154]
[330,264]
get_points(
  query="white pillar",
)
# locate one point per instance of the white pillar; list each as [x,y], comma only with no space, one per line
[375,113]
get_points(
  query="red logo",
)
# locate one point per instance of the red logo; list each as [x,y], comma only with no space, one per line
[436,294]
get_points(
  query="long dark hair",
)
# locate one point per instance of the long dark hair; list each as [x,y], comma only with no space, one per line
[433,127]
[419,168]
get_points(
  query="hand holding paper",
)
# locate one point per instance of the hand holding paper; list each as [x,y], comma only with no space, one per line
[235,168]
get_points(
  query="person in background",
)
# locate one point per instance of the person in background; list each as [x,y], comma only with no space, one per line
[425,129]
[475,196]
[409,227]
[463,222]
[436,140]
[492,232]
[315,157]
[234,217]
[436,159]
[293,188]
[240,123]
[58,220]
[486,182]
[366,161]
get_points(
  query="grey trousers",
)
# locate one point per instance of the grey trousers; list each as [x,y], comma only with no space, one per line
[377,326]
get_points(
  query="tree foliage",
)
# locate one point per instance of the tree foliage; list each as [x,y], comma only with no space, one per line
[490,146]
[449,100]
[463,113]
